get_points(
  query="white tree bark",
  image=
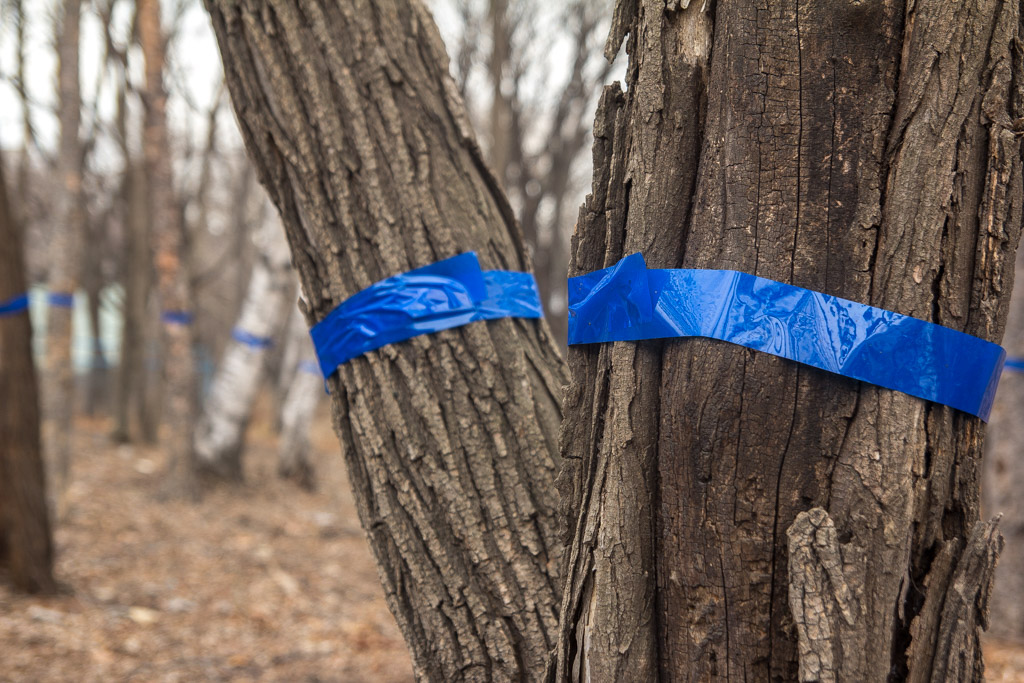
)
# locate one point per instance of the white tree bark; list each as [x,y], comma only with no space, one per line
[304,394]
[219,435]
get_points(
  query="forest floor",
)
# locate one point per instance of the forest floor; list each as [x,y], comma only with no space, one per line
[261,581]
[258,582]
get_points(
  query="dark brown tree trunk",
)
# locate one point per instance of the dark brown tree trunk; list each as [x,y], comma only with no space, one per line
[362,142]
[26,545]
[180,397]
[64,257]
[738,516]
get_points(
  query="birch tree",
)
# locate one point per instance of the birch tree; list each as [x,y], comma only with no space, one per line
[220,433]
[300,402]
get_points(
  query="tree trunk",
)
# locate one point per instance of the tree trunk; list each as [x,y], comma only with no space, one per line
[359,136]
[1004,476]
[299,405]
[26,545]
[861,150]
[172,277]
[220,434]
[64,257]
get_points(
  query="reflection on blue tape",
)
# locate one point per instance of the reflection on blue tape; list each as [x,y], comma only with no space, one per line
[15,304]
[60,299]
[309,366]
[628,302]
[176,317]
[1016,364]
[440,296]
[250,339]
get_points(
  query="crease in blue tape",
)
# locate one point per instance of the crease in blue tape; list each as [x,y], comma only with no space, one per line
[176,317]
[16,304]
[446,294]
[250,339]
[61,299]
[629,302]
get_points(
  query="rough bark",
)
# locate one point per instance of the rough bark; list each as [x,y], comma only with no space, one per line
[865,150]
[1004,476]
[171,273]
[26,544]
[300,402]
[359,136]
[220,433]
[64,256]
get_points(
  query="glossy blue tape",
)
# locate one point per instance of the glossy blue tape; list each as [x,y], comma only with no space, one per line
[629,302]
[60,299]
[176,317]
[440,296]
[250,339]
[15,304]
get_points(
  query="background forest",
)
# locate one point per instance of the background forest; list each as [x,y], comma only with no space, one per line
[203,525]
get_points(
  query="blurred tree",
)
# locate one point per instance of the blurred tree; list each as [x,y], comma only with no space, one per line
[300,402]
[781,522]
[26,544]
[64,254]
[220,432]
[359,135]
[171,272]
[534,114]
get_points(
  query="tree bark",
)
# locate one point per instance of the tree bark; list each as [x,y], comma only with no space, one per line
[26,544]
[64,257]
[171,273]
[1004,476]
[864,150]
[220,433]
[359,136]
[299,404]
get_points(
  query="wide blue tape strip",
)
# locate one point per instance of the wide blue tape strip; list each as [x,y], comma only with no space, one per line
[250,339]
[446,294]
[61,299]
[15,304]
[629,302]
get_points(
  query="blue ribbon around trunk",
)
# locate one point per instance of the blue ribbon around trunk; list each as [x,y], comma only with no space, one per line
[446,294]
[61,299]
[250,339]
[629,302]
[15,304]
[176,317]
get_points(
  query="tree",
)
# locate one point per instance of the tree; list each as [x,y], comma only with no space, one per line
[26,544]
[784,522]
[300,401]
[220,433]
[172,276]
[357,132]
[64,252]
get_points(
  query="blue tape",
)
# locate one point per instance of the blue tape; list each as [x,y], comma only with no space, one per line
[629,302]
[60,299]
[309,366]
[446,294]
[176,317]
[15,304]
[249,339]
[1016,364]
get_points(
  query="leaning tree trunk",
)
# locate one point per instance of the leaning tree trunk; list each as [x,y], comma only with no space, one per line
[171,272]
[349,113]
[1004,476]
[299,404]
[220,434]
[26,545]
[64,257]
[736,515]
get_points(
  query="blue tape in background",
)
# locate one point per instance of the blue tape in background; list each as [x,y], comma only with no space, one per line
[15,304]
[1016,364]
[60,299]
[628,302]
[446,294]
[176,317]
[250,339]
[309,366]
